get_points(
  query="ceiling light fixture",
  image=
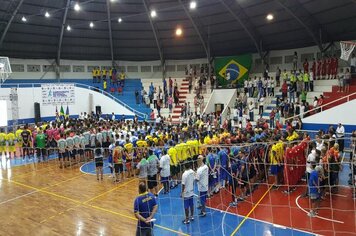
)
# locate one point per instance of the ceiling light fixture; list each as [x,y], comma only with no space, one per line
[91,24]
[69,28]
[47,14]
[179,31]
[270,17]
[24,19]
[153,14]
[77,7]
[193,5]
[119,20]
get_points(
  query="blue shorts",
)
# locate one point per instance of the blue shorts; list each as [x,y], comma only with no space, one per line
[275,169]
[203,196]
[164,179]
[223,173]
[188,202]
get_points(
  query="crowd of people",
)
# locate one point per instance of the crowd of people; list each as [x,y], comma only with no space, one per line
[110,79]
[237,159]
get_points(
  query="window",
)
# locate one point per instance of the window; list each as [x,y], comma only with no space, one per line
[91,68]
[288,59]
[170,68]
[64,68]
[258,61]
[48,68]
[33,68]
[145,68]
[17,68]
[157,68]
[275,60]
[308,56]
[120,68]
[181,67]
[132,69]
[78,69]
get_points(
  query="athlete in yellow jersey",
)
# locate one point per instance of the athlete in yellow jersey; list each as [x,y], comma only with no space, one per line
[2,143]
[19,140]
[276,156]
[172,152]
[128,153]
[11,140]
[141,143]
[93,73]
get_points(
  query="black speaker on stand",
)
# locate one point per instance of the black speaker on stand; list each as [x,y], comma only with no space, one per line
[98,110]
[37,112]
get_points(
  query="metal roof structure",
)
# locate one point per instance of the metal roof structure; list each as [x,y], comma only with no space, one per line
[213,28]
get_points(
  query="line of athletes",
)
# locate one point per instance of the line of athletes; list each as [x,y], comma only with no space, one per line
[100,142]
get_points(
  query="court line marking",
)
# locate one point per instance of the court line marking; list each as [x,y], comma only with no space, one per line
[86,202]
[91,172]
[36,191]
[261,221]
[253,208]
[320,217]
[111,190]
[92,206]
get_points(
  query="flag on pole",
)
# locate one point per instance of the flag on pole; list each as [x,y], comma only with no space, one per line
[61,111]
[67,112]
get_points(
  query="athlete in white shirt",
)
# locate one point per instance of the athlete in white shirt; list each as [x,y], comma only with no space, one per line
[188,192]
[164,165]
[340,134]
[202,178]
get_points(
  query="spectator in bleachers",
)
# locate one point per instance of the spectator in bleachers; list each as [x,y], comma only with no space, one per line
[93,73]
[155,98]
[311,80]
[353,63]
[295,60]
[122,79]
[104,73]
[319,68]
[170,86]
[150,92]
[278,77]
[306,81]
[306,65]
[291,93]
[255,82]
[347,80]
[284,89]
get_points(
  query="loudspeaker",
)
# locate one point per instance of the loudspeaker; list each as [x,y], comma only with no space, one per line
[37,112]
[98,110]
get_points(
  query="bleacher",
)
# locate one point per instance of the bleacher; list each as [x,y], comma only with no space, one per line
[127,96]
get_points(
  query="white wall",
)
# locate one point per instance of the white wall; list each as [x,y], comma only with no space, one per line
[256,68]
[87,75]
[28,96]
[223,96]
[344,113]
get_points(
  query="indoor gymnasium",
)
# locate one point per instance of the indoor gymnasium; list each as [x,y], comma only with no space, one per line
[177,117]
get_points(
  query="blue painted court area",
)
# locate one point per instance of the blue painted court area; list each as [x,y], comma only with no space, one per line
[171,213]
[89,167]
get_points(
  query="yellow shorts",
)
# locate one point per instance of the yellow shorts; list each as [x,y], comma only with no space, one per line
[2,148]
[11,149]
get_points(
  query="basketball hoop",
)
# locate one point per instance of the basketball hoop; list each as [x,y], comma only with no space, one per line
[346,49]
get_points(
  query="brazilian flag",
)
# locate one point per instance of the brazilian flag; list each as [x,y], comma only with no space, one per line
[233,69]
[61,112]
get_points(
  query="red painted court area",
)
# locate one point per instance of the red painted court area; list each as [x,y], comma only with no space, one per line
[336,214]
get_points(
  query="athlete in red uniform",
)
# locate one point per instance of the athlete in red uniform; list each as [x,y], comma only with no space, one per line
[323,68]
[306,66]
[289,169]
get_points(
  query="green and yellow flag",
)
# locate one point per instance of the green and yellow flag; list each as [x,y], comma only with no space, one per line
[61,112]
[233,69]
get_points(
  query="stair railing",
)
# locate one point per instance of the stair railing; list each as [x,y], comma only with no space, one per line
[321,108]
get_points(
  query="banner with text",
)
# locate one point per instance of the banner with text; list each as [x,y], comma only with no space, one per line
[232,69]
[58,94]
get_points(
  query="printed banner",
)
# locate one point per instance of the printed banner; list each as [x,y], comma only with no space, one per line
[58,94]
[233,69]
